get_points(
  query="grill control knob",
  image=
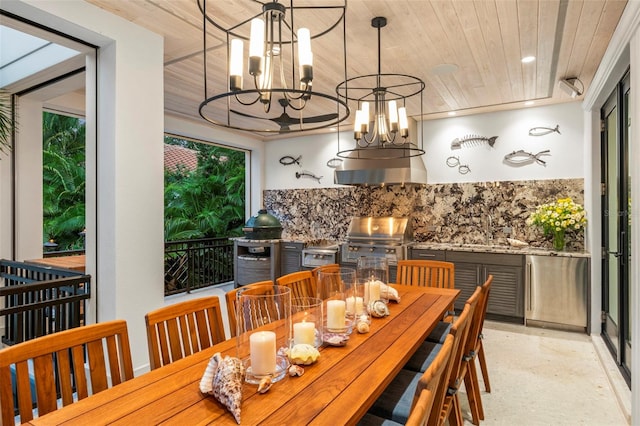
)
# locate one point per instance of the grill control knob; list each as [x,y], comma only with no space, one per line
[372,249]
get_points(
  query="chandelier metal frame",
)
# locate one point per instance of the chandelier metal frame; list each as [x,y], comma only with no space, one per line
[389,137]
[273,81]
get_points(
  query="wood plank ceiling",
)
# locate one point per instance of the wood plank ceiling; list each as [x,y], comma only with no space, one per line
[484,39]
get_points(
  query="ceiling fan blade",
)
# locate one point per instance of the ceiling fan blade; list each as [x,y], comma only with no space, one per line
[320,118]
[244,114]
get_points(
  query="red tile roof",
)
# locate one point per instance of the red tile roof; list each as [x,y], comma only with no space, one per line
[175,156]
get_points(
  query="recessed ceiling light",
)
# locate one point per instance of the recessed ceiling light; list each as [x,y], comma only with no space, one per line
[528,59]
[444,69]
[451,113]
[528,103]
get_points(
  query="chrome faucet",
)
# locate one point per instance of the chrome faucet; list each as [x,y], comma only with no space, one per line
[489,230]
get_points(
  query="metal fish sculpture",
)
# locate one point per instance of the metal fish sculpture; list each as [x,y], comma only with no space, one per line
[472,140]
[541,131]
[521,157]
[288,160]
[309,175]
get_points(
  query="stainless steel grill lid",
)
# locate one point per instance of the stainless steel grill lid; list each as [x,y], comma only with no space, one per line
[388,230]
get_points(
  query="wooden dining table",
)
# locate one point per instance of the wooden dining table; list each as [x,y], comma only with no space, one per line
[338,389]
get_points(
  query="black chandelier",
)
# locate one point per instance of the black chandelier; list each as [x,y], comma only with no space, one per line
[385,135]
[272,91]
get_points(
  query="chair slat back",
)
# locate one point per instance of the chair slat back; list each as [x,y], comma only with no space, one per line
[301,283]
[231,297]
[479,314]
[459,331]
[426,273]
[332,267]
[182,329]
[60,358]
[428,385]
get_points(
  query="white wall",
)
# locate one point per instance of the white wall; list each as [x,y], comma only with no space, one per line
[512,128]
[486,163]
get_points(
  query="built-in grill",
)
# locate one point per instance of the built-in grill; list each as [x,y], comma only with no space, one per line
[377,237]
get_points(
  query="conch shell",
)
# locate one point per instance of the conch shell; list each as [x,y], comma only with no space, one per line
[223,379]
[378,309]
[392,293]
[303,354]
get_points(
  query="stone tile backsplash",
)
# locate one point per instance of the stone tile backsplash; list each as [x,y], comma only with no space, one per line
[459,213]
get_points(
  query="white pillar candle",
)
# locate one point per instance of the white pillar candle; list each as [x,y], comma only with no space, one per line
[263,352]
[351,305]
[366,293]
[336,314]
[374,290]
[359,304]
[304,333]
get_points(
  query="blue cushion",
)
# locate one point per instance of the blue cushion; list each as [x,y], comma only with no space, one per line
[439,334]
[395,402]
[424,356]
[373,420]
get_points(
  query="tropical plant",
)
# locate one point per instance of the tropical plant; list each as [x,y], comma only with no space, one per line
[6,122]
[63,177]
[208,201]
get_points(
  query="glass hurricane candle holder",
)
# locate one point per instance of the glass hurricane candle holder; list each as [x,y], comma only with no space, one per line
[307,320]
[332,288]
[263,319]
[375,273]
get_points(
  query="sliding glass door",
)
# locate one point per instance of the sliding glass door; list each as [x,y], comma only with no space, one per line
[616,224]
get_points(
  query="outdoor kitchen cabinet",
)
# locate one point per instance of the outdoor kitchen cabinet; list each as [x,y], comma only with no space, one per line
[290,257]
[425,254]
[506,299]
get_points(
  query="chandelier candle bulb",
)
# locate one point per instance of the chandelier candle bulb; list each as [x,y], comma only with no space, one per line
[263,352]
[235,65]
[304,333]
[336,311]
[393,116]
[256,46]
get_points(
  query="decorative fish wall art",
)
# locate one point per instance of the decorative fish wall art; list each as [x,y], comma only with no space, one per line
[334,162]
[308,175]
[463,169]
[521,157]
[472,140]
[541,131]
[288,160]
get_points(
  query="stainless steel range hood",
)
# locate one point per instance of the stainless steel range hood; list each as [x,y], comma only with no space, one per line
[381,170]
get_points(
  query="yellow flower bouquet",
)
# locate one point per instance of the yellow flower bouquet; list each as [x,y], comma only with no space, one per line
[557,218]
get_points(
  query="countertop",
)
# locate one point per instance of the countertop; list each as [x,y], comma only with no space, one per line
[505,249]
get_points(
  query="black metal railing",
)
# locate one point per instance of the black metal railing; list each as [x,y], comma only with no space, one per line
[193,264]
[40,300]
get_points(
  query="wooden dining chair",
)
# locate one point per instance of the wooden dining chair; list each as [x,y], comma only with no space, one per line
[51,371]
[331,267]
[231,297]
[429,273]
[409,398]
[301,283]
[451,408]
[182,329]
[472,348]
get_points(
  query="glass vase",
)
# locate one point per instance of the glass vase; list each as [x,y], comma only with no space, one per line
[375,272]
[559,241]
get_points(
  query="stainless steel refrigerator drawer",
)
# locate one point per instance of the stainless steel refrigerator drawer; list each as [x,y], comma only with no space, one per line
[556,292]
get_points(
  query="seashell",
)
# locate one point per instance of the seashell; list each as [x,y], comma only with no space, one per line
[296,370]
[265,384]
[335,339]
[362,327]
[378,309]
[228,378]
[392,293]
[303,354]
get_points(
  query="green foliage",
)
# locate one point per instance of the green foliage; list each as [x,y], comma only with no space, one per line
[209,201]
[63,180]
[6,122]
